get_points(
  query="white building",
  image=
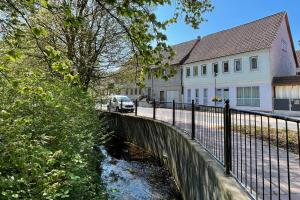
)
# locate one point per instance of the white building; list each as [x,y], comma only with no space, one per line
[245,59]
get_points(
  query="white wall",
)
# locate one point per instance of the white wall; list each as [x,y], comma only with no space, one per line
[282,62]
[247,77]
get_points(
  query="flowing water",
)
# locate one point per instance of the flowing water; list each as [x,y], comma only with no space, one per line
[130,173]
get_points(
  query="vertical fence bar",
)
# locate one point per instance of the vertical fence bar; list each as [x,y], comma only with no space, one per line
[173,123]
[262,157]
[255,155]
[121,106]
[288,157]
[193,120]
[227,139]
[270,163]
[136,107]
[154,112]
[278,164]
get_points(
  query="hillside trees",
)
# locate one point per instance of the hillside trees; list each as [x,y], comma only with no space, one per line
[51,52]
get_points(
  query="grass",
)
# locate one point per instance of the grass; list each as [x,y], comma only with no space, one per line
[264,132]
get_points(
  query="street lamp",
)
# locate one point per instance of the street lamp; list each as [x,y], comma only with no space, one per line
[215,75]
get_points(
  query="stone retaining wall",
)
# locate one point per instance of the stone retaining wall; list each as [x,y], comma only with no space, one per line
[197,174]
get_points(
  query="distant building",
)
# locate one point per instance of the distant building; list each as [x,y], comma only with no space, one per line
[164,90]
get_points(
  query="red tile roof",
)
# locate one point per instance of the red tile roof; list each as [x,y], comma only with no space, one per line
[252,36]
[182,51]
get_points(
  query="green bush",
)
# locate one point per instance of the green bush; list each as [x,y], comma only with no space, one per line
[47,131]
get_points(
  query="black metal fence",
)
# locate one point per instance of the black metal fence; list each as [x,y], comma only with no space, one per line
[260,150]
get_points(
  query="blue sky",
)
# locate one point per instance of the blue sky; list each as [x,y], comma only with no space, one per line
[230,13]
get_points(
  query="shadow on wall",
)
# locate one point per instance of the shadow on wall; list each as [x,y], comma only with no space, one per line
[196,173]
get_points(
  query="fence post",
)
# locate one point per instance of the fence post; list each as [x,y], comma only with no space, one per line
[227,139]
[121,106]
[154,105]
[136,105]
[110,105]
[173,113]
[193,120]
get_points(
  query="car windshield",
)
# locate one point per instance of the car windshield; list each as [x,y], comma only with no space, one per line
[123,98]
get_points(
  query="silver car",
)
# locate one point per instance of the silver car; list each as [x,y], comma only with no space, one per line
[120,103]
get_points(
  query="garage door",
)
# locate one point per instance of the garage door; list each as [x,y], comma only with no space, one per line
[172,95]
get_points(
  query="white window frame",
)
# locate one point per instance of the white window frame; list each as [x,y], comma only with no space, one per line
[242,100]
[189,96]
[250,60]
[241,66]
[202,66]
[186,74]
[213,68]
[197,99]
[223,63]
[195,67]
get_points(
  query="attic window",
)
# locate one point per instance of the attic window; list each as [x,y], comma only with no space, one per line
[283,46]
[188,72]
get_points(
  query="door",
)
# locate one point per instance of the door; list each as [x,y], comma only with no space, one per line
[205,96]
[223,94]
[172,95]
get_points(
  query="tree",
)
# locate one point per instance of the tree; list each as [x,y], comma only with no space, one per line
[98,35]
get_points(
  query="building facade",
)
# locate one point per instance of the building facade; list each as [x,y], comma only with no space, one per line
[239,64]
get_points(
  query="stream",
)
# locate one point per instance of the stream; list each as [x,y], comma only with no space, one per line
[130,173]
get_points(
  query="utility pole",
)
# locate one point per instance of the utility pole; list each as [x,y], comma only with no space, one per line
[215,73]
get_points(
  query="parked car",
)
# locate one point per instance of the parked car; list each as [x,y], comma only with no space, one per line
[115,104]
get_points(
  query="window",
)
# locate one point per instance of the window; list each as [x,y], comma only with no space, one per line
[189,96]
[205,96]
[195,71]
[140,91]
[203,70]
[131,91]
[253,63]
[283,46]
[149,76]
[226,94]
[237,65]
[126,91]
[135,91]
[215,68]
[188,72]
[161,96]
[225,67]
[248,96]
[197,96]
[164,72]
